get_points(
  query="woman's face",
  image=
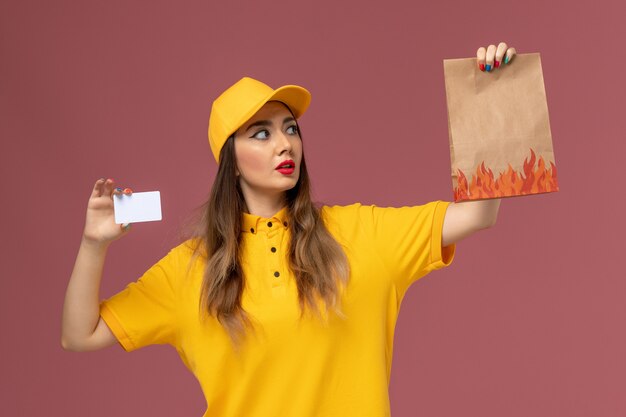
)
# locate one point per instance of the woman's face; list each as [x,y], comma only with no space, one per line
[263,144]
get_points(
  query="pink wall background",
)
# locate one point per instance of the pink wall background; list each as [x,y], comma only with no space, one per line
[529,320]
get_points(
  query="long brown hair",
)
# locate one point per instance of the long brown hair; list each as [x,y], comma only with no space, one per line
[317,260]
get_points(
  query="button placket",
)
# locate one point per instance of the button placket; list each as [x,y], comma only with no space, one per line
[273,242]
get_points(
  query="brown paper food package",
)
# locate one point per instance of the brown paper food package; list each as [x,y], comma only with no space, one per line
[499,129]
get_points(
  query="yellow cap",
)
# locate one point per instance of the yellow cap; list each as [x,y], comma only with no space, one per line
[241,101]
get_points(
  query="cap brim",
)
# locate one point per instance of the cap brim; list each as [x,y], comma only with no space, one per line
[295,97]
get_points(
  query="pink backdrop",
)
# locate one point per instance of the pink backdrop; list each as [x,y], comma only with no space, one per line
[530,318]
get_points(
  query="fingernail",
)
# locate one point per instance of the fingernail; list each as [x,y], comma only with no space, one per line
[506,59]
[110,179]
[482,67]
[497,64]
[127,191]
[488,67]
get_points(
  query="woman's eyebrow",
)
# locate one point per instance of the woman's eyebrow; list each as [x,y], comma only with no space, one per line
[268,123]
[259,123]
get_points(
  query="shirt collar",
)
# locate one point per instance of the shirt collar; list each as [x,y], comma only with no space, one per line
[253,224]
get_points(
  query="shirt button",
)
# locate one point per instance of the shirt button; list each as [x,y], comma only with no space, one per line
[252,229]
[273,249]
[276,274]
[285,223]
[269,224]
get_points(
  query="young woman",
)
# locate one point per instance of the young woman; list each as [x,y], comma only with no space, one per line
[277,306]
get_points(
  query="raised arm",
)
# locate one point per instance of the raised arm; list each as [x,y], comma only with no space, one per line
[467,217]
[82,327]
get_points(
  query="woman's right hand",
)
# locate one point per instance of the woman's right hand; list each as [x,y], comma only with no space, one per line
[100,224]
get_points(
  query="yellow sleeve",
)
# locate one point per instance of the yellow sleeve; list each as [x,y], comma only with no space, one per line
[408,239]
[145,312]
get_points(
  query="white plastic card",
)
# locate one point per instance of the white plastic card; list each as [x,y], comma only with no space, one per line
[137,207]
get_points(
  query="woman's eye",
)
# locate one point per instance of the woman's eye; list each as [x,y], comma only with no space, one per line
[292,130]
[261,134]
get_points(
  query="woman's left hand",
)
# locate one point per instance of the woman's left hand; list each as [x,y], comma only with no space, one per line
[492,57]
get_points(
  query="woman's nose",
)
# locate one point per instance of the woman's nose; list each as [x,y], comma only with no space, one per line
[284,143]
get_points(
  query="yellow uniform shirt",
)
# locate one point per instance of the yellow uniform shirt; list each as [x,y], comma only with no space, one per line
[291,367]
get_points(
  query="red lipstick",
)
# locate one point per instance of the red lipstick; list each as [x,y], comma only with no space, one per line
[287,167]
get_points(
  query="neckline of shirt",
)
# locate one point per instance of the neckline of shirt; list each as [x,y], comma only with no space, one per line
[252,223]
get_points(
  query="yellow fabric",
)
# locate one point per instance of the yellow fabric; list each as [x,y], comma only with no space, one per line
[291,367]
